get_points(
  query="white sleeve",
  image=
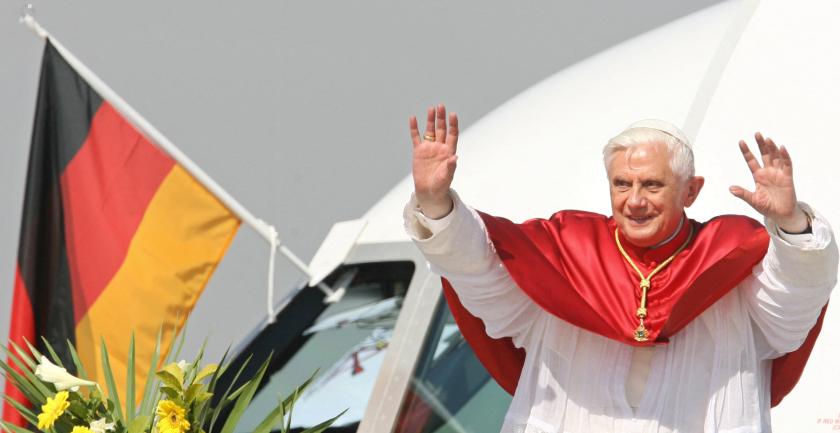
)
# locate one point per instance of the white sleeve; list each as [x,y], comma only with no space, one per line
[788,289]
[458,248]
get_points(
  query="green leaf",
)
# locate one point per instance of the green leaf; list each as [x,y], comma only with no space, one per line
[205,409]
[193,367]
[79,367]
[173,355]
[192,392]
[203,405]
[113,394]
[272,419]
[176,372]
[45,388]
[201,397]
[223,401]
[168,356]
[32,389]
[170,392]
[63,425]
[24,411]
[20,353]
[148,394]
[130,398]
[292,398]
[138,424]
[170,380]
[11,428]
[244,399]
[324,425]
[208,370]
[15,361]
[238,391]
[95,394]
[53,355]
[78,408]
[35,353]
[223,366]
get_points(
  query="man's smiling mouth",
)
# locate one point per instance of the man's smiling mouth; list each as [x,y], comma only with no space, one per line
[640,220]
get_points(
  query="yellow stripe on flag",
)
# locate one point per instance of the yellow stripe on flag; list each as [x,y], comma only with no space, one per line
[183,235]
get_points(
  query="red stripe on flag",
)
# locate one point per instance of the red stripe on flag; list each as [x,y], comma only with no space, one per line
[105,191]
[22,327]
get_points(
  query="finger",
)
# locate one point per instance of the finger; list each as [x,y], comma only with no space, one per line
[412,129]
[430,123]
[763,148]
[452,134]
[787,163]
[773,150]
[440,124]
[752,163]
[742,193]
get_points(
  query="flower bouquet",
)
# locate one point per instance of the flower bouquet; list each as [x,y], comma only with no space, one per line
[177,398]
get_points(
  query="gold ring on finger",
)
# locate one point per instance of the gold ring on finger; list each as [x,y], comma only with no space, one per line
[429,137]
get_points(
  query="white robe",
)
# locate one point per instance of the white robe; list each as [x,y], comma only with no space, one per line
[713,376]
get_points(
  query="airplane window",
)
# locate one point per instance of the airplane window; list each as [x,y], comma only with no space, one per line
[450,390]
[347,342]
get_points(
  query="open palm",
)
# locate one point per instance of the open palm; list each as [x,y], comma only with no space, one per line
[434,159]
[774,195]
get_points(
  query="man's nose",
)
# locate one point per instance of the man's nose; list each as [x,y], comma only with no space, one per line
[637,198]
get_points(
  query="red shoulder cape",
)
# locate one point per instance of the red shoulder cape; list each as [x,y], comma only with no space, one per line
[571,267]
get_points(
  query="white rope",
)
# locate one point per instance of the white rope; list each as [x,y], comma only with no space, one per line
[331,295]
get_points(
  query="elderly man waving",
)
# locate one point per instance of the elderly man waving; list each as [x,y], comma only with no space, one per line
[645,321]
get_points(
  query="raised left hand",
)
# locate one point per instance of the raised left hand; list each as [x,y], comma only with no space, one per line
[774,195]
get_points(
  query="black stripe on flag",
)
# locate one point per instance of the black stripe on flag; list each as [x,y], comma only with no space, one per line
[65,107]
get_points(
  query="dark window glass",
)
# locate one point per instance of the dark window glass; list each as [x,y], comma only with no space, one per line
[346,343]
[450,390]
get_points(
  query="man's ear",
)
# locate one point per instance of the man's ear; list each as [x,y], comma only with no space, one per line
[695,184]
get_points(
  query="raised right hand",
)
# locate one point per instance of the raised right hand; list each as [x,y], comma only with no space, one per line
[434,161]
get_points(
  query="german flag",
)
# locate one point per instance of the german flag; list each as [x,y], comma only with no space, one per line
[116,237]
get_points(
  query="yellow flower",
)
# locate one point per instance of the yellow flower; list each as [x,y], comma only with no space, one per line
[80,429]
[52,409]
[171,418]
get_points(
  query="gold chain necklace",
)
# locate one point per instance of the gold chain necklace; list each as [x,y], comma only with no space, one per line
[641,333]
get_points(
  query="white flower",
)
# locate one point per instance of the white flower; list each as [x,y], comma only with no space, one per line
[49,372]
[100,426]
[182,364]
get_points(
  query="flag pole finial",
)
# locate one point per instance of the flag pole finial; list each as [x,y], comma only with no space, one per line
[27,17]
[28,10]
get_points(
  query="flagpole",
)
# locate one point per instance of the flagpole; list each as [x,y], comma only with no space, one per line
[148,129]
[267,231]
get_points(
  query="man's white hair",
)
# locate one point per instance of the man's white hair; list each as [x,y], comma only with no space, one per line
[651,131]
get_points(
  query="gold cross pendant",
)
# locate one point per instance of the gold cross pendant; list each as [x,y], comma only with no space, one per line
[641,334]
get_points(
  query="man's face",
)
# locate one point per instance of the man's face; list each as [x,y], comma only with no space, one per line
[647,197]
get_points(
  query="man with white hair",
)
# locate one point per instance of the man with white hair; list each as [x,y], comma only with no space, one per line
[645,321]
